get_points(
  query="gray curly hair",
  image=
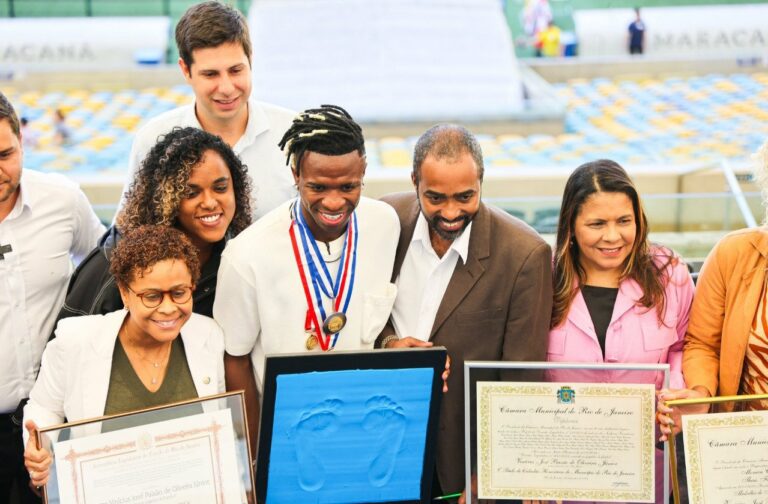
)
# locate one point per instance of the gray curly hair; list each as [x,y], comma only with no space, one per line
[760,171]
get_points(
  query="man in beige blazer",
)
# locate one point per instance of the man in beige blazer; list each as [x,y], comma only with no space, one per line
[470,278]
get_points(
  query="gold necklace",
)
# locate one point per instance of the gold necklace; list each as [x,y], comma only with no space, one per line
[155,364]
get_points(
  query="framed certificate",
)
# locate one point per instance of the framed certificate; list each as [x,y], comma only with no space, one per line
[727,457]
[534,436]
[566,441]
[344,427]
[191,451]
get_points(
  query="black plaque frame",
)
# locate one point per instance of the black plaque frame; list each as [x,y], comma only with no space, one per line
[340,361]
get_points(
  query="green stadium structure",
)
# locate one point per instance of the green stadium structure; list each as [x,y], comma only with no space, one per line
[74,8]
[86,8]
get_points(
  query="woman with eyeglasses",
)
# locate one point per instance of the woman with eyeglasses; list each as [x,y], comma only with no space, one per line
[190,180]
[153,352]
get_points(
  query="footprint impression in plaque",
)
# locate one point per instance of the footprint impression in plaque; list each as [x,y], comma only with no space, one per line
[385,420]
[315,423]
[378,431]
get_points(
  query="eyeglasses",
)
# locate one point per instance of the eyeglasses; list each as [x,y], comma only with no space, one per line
[153,298]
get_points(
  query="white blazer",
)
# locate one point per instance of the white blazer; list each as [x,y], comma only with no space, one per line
[76,366]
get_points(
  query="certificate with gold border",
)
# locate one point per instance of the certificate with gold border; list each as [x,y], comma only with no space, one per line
[726,457]
[561,441]
[192,451]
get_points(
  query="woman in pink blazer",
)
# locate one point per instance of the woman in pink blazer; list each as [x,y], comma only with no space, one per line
[618,298]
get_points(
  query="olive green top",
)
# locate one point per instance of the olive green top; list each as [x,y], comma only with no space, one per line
[128,393]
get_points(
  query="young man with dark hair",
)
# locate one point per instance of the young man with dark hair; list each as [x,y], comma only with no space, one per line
[215,57]
[469,277]
[314,273]
[44,220]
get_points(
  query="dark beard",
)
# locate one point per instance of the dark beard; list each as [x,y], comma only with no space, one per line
[448,235]
[445,235]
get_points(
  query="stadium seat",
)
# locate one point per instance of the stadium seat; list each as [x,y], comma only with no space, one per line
[643,121]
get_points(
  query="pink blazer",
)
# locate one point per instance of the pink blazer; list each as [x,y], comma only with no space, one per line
[635,335]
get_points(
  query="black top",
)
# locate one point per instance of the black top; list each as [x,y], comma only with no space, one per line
[600,301]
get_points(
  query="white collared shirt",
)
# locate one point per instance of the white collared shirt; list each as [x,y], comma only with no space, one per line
[423,279]
[260,301]
[51,224]
[271,179]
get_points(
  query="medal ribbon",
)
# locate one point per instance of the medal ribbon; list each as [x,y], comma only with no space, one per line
[333,290]
[311,315]
[351,251]
[325,282]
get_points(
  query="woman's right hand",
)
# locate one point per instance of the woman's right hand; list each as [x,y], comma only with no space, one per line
[37,460]
[670,417]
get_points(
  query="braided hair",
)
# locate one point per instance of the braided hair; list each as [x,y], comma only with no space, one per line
[328,130]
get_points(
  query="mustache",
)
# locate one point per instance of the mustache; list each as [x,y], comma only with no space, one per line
[461,218]
[434,225]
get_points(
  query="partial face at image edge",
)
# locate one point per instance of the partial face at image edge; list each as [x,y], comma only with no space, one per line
[11,153]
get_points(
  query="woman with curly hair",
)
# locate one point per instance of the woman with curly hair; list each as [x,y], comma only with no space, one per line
[617,297]
[153,352]
[190,180]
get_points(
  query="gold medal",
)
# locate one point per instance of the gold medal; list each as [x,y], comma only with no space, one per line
[311,342]
[334,323]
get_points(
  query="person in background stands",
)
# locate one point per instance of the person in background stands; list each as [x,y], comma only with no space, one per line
[636,36]
[62,134]
[550,41]
[29,136]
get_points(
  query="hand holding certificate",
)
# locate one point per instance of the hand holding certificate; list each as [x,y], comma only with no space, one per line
[196,455]
[37,459]
[687,402]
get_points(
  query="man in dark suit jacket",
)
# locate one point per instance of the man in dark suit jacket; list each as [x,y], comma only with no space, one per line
[470,278]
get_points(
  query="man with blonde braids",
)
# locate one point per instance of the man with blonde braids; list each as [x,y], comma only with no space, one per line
[314,273]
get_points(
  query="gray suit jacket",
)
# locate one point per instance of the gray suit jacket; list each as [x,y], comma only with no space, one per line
[497,307]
